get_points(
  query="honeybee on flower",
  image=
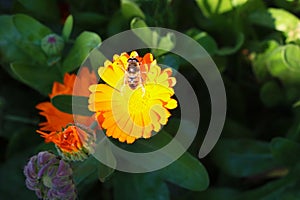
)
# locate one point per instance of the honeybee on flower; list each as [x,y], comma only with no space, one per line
[135,99]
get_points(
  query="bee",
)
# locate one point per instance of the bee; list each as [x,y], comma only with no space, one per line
[133,75]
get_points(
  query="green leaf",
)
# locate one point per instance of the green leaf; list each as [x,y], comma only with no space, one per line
[242,158]
[278,19]
[40,78]
[271,94]
[187,172]
[139,186]
[20,39]
[278,189]
[284,63]
[151,38]
[46,9]
[216,7]
[259,62]
[170,60]
[68,26]
[285,151]
[84,43]
[72,104]
[104,171]
[205,40]
[129,10]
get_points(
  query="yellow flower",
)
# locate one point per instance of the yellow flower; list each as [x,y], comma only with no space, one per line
[127,112]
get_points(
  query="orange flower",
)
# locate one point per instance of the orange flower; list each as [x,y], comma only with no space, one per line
[57,119]
[132,112]
[75,142]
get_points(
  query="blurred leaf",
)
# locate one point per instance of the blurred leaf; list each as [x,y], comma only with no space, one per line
[271,94]
[46,9]
[139,186]
[227,50]
[151,38]
[89,18]
[72,104]
[217,193]
[13,179]
[206,41]
[284,150]
[40,78]
[278,189]
[129,10]
[242,158]
[215,7]
[68,26]
[21,139]
[117,24]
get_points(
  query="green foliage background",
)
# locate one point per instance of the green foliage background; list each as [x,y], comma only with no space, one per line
[255,45]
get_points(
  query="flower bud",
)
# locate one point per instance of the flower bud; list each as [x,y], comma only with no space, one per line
[52,44]
[74,143]
[49,177]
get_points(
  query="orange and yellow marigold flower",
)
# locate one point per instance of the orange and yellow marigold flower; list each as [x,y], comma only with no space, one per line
[129,114]
[73,142]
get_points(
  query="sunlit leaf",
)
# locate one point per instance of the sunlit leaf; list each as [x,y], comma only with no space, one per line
[284,63]
[152,38]
[130,9]
[67,29]
[214,7]
[84,43]
[205,40]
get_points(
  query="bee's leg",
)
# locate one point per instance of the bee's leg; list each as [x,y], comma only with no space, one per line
[142,85]
[124,83]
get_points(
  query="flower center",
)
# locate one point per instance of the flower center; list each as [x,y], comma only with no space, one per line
[138,101]
[51,40]
[47,181]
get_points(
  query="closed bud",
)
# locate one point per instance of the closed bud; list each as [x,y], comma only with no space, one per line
[52,44]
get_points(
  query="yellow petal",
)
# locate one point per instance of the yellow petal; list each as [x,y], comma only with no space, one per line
[171,104]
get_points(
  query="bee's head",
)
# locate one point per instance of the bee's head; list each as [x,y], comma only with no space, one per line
[132,60]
